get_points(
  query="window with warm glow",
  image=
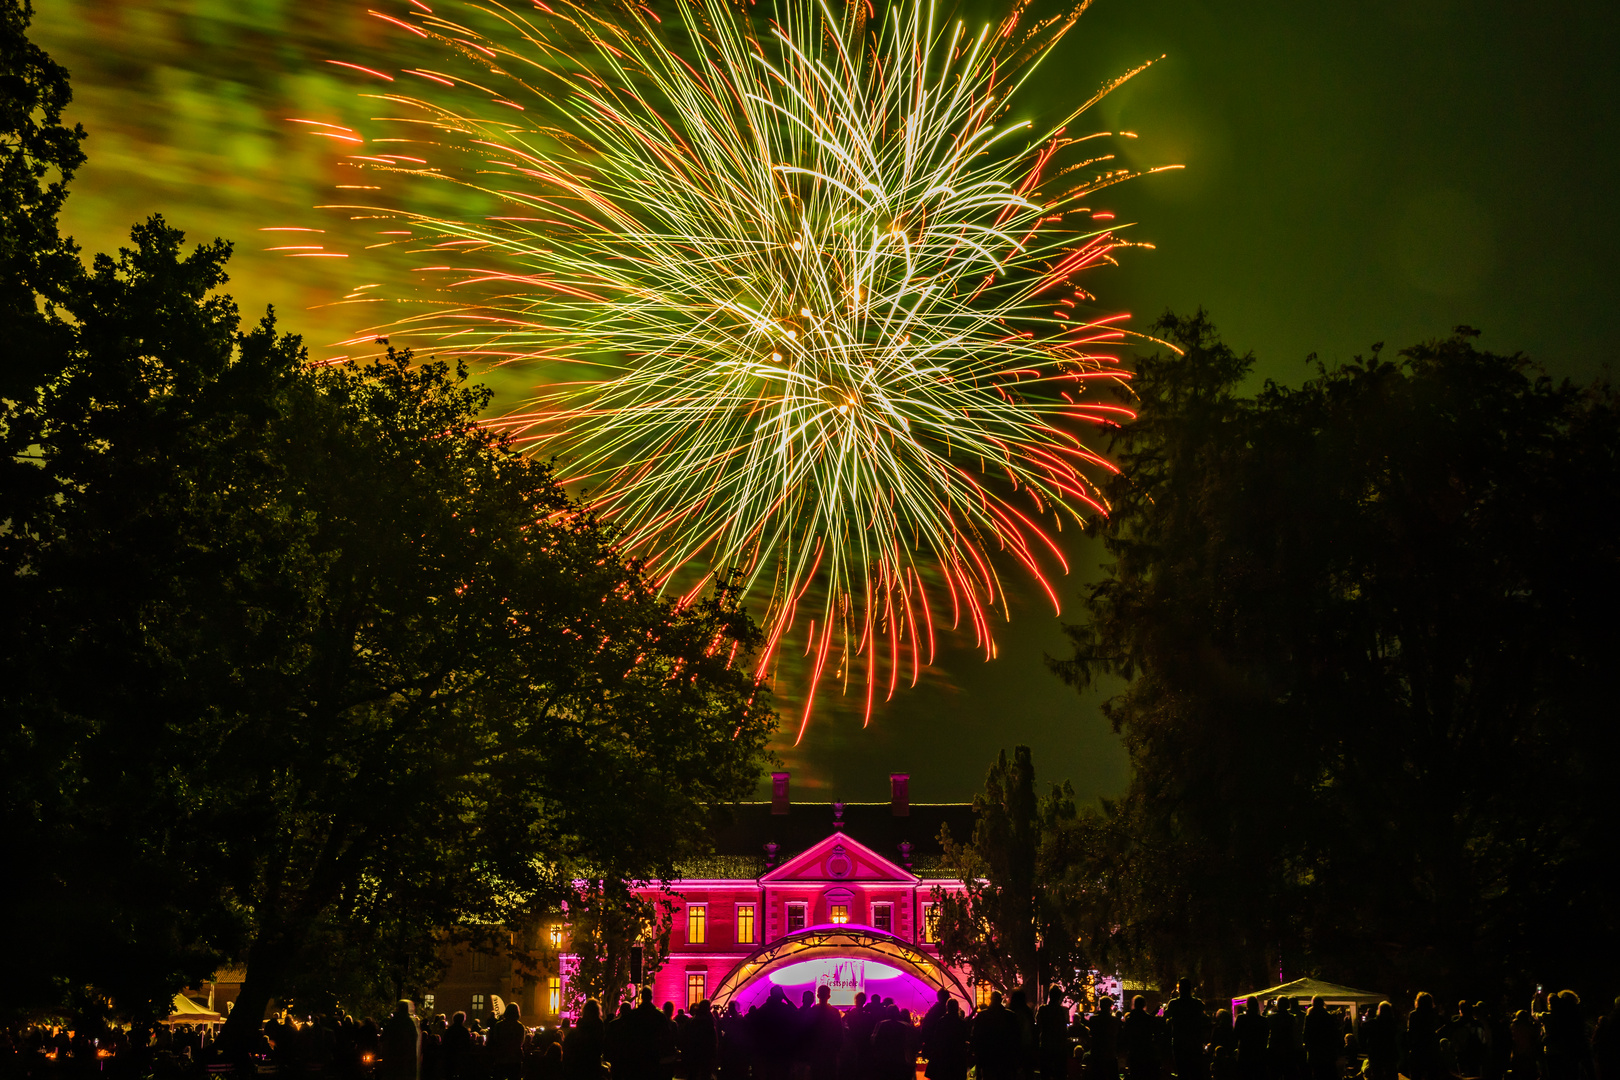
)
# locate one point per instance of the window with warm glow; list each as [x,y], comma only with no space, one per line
[554,994]
[930,923]
[478,1003]
[427,1003]
[797,917]
[883,917]
[981,995]
[745,924]
[556,935]
[697,924]
[697,987]
[838,914]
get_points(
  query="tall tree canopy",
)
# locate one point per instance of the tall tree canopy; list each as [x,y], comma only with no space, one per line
[1368,627]
[294,656]
[1008,926]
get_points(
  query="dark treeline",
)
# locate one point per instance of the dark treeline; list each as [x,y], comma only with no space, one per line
[1368,630]
[299,665]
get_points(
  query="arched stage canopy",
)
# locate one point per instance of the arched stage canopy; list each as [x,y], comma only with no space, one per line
[845,957]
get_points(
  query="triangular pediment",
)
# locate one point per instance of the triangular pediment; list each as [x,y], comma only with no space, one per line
[840,858]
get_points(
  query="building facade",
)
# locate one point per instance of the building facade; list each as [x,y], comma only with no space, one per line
[796,895]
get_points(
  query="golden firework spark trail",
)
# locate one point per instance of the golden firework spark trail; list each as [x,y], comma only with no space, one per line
[815,278]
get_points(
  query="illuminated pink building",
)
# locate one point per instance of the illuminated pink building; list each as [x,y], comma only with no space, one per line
[796,895]
[800,895]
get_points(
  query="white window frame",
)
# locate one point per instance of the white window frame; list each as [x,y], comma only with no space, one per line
[885,905]
[795,907]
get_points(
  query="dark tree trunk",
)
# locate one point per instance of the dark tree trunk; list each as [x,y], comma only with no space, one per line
[268,964]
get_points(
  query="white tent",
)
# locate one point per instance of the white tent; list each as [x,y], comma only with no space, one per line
[1331,993]
[187,1011]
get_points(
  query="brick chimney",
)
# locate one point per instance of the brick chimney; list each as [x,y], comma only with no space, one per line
[900,794]
[779,792]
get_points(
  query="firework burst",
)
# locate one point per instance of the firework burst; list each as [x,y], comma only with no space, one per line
[799,289]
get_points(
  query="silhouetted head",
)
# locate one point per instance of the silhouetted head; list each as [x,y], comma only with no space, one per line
[1184,987]
[514,1010]
[1019,998]
[1423,1002]
[1318,1003]
[995,999]
[823,993]
[943,996]
[646,995]
[1054,996]
[1252,1005]
[860,998]
[1106,1005]
[1137,1004]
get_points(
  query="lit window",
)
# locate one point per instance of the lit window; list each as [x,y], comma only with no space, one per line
[796,918]
[427,1003]
[697,987]
[930,923]
[838,914]
[478,1003]
[745,924]
[554,994]
[556,935]
[697,924]
[883,917]
[981,995]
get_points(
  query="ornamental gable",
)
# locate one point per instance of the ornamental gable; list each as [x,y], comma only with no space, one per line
[839,858]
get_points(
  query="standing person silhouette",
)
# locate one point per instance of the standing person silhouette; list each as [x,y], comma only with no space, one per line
[1324,1040]
[401,1045]
[1139,1033]
[1189,1032]
[823,1028]
[584,1044]
[1103,1026]
[1052,1047]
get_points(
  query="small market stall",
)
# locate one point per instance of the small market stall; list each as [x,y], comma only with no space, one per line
[1332,994]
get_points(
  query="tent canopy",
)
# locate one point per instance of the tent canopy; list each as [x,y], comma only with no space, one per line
[187,1011]
[1332,993]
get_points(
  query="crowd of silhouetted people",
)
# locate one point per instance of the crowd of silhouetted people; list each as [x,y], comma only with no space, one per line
[1005,1039]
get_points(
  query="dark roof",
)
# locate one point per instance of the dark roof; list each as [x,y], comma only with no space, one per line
[742,830]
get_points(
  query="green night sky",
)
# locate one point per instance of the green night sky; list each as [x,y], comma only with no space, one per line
[1355,173]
